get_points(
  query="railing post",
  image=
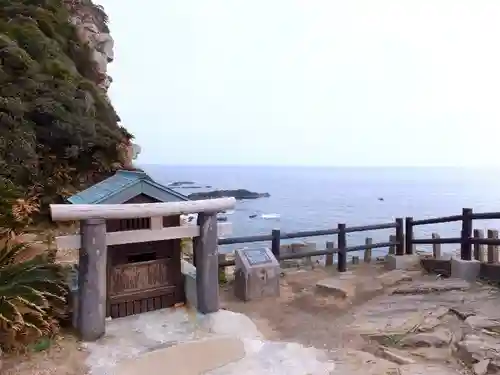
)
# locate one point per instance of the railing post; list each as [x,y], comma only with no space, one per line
[92,280]
[275,243]
[367,256]
[392,248]
[400,236]
[408,235]
[207,264]
[342,255]
[478,248]
[492,249]
[465,243]
[329,257]
[436,247]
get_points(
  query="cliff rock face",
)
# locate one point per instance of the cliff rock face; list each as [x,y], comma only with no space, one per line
[59,132]
[90,22]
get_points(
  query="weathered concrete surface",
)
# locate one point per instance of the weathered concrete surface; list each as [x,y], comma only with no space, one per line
[190,358]
[216,344]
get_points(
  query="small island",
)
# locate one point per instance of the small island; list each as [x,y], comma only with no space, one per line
[239,194]
[180,183]
[187,185]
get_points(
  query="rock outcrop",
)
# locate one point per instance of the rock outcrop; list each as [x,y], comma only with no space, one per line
[90,22]
[237,194]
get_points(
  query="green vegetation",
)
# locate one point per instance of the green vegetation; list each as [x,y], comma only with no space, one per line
[58,132]
[32,295]
[32,285]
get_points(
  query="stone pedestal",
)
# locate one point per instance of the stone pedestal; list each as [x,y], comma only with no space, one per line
[189,274]
[257,274]
[401,262]
[299,248]
[465,269]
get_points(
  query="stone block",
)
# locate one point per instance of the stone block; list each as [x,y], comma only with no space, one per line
[465,269]
[401,262]
[300,248]
[344,287]
[189,274]
[257,274]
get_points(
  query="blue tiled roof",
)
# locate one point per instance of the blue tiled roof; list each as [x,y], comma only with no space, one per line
[119,182]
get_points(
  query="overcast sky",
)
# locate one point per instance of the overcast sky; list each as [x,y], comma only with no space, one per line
[310,82]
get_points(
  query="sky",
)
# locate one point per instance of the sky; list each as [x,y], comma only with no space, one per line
[309,82]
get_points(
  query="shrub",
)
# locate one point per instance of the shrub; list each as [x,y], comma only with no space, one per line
[16,213]
[32,286]
[32,295]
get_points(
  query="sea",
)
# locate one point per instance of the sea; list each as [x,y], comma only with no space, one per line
[311,198]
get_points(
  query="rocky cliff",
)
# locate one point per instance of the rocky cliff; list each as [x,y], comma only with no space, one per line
[58,131]
[90,22]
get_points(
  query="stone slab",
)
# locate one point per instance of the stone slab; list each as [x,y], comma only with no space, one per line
[191,358]
[397,356]
[386,325]
[480,322]
[474,348]
[436,286]
[356,362]
[343,288]
[395,276]
[427,369]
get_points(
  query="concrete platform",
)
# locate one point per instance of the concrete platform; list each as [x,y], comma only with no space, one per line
[191,358]
[183,342]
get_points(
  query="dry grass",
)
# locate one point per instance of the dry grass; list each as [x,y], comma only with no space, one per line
[64,357]
[38,239]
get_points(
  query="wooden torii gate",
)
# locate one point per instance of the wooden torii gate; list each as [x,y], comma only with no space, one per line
[93,241]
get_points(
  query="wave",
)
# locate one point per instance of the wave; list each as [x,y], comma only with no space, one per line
[270,216]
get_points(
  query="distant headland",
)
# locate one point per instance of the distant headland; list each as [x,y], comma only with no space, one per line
[239,194]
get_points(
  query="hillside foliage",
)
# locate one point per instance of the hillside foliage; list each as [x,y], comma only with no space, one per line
[33,286]
[58,132]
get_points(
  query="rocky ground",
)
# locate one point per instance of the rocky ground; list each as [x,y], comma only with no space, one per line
[376,322]
[367,321]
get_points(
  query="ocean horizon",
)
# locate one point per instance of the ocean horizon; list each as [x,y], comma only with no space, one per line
[313,198]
